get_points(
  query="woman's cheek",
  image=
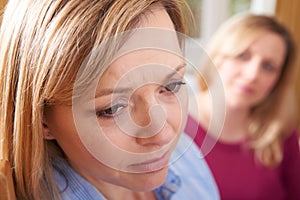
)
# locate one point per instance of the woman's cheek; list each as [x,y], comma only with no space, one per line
[175,115]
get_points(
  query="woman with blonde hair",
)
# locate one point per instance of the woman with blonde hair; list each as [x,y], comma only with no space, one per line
[93,101]
[256,154]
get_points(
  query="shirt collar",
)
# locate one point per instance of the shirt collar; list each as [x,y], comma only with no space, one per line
[171,185]
[164,192]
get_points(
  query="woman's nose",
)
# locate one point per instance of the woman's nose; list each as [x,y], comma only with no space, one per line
[150,116]
[144,103]
[252,70]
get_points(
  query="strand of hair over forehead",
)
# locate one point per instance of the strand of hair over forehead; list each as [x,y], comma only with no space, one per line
[118,16]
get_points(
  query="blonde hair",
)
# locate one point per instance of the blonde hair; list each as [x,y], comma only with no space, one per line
[272,119]
[43,44]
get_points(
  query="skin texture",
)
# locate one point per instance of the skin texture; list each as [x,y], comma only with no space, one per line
[115,183]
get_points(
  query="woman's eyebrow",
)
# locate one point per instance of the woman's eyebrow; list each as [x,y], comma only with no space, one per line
[109,91]
[120,90]
[177,69]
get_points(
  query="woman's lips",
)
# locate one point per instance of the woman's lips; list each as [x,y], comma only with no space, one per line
[246,90]
[151,165]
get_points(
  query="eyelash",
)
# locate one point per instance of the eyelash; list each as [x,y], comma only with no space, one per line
[112,111]
[177,84]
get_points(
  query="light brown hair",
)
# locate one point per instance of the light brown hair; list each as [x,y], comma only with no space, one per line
[43,44]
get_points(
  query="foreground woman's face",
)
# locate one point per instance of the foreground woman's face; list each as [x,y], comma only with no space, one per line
[139,105]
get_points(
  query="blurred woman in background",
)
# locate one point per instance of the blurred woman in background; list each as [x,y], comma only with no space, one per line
[256,154]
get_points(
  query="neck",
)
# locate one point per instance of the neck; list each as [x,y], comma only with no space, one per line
[114,192]
[235,126]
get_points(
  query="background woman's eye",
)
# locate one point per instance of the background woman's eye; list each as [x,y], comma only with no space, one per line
[173,86]
[110,112]
[244,56]
[268,66]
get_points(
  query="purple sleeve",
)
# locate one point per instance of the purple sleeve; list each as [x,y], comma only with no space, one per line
[291,167]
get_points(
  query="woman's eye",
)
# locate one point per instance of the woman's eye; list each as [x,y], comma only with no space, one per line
[243,56]
[173,86]
[268,67]
[110,112]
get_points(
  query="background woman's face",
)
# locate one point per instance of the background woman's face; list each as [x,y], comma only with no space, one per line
[139,107]
[249,77]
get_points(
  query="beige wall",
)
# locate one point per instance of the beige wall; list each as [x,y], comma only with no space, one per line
[287,13]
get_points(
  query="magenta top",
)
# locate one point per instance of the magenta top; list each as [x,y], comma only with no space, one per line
[239,176]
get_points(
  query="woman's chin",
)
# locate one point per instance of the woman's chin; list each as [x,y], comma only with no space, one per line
[148,181]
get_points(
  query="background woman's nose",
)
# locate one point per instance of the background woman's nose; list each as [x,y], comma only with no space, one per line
[252,70]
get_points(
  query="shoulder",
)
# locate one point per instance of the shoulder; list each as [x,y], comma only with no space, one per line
[291,152]
[291,143]
[291,164]
[188,163]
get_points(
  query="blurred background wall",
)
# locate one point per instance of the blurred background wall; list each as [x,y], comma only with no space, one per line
[287,12]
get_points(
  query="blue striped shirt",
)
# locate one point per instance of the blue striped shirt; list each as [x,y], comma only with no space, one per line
[188,178]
